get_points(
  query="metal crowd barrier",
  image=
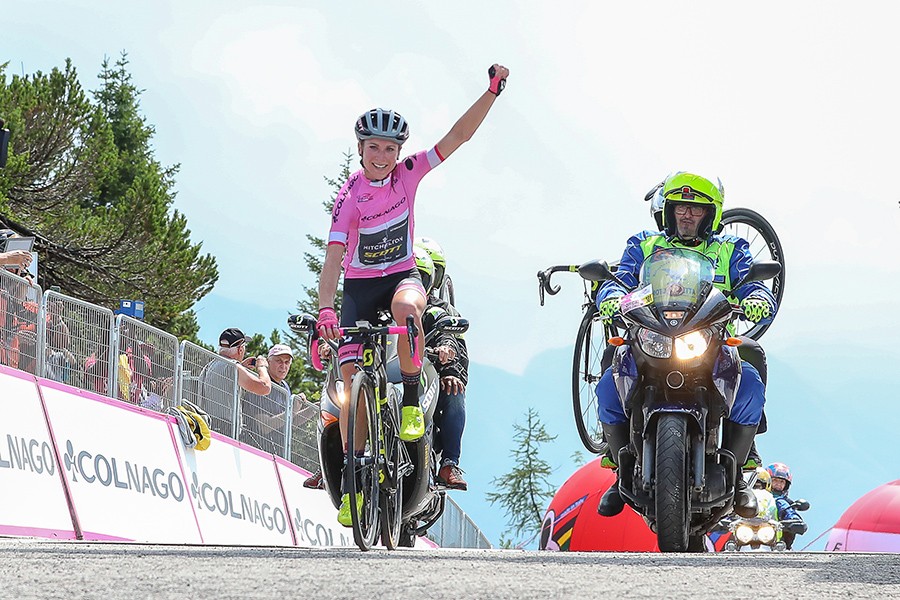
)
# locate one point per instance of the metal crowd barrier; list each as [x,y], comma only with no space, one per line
[266,422]
[82,334]
[146,364]
[456,530]
[20,323]
[304,443]
[211,382]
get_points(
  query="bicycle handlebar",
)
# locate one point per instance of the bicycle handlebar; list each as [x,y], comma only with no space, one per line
[544,279]
[410,330]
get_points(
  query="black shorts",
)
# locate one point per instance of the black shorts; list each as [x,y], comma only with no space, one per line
[364,298]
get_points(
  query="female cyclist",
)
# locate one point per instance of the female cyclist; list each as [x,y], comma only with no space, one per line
[372,235]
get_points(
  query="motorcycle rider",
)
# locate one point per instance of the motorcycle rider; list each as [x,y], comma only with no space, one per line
[762,489]
[453,369]
[692,212]
[372,234]
[749,350]
[781,481]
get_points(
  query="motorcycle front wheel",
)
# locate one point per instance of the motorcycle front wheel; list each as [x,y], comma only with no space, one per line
[673,515]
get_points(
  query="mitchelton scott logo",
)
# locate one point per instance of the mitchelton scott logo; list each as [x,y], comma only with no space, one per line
[27,454]
[111,471]
[216,499]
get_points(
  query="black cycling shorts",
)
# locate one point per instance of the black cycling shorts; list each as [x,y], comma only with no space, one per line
[364,298]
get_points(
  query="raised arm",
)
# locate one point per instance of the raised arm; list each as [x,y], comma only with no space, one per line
[467,124]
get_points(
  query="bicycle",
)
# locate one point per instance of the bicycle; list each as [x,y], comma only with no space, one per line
[589,362]
[377,469]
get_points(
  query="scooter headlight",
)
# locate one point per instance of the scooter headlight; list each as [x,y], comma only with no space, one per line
[744,533]
[766,534]
[655,344]
[693,344]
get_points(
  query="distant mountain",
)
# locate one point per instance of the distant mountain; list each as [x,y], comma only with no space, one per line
[835,423]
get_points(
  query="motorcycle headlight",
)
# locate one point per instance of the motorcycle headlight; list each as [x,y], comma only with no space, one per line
[744,533]
[693,344]
[655,344]
[766,534]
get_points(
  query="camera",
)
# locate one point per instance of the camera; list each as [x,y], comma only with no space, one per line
[252,362]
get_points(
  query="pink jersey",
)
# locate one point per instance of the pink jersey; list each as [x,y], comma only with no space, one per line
[374,219]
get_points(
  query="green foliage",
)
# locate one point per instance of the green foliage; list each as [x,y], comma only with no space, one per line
[525,491]
[82,179]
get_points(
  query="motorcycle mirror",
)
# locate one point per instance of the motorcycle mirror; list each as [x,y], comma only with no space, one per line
[760,271]
[800,504]
[595,270]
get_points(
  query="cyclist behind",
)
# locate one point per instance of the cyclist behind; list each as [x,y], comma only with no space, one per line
[372,233]
[781,481]
[691,215]
[453,369]
[440,265]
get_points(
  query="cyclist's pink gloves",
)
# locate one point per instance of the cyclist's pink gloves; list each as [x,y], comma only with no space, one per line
[327,321]
[497,75]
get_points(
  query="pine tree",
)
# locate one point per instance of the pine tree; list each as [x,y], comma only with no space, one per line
[525,491]
[82,179]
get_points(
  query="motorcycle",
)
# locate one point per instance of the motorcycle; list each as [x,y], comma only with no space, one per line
[760,534]
[423,498]
[676,373]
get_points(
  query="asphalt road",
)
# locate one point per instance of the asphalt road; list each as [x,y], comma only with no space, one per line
[47,569]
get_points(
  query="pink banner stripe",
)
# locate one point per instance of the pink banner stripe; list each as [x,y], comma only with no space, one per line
[41,532]
[90,536]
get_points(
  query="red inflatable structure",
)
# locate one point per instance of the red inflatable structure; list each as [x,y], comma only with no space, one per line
[871,524]
[572,523]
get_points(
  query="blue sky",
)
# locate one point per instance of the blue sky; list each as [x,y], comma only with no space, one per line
[792,105]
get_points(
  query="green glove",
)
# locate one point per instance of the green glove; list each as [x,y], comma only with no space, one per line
[608,307]
[756,309]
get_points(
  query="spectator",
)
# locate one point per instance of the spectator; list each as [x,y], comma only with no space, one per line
[59,361]
[265,417]
[217,391]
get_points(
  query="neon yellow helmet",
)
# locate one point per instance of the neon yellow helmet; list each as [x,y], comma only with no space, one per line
[764,478]
[687,188]
[437,257]
[425,266]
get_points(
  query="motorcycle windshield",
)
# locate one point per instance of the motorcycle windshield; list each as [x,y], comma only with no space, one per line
[671,278]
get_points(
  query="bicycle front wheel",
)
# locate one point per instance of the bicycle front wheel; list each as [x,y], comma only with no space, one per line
[362,463]
[587,368]
[764,245]
[393,469]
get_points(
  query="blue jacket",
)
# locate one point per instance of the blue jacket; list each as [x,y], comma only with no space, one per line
[718,247]
[785,511]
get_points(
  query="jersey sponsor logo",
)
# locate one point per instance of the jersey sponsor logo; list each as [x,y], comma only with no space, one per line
[364,197]
[386,246]
[386,212]
[339,203]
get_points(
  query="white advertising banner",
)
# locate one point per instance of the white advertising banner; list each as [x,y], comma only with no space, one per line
[122,467]
[313,516]
[33,502]
[235,492]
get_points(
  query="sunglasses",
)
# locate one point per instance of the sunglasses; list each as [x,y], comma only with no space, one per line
[696,211]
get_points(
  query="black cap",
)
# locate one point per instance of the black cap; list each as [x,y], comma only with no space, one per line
[232,338]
